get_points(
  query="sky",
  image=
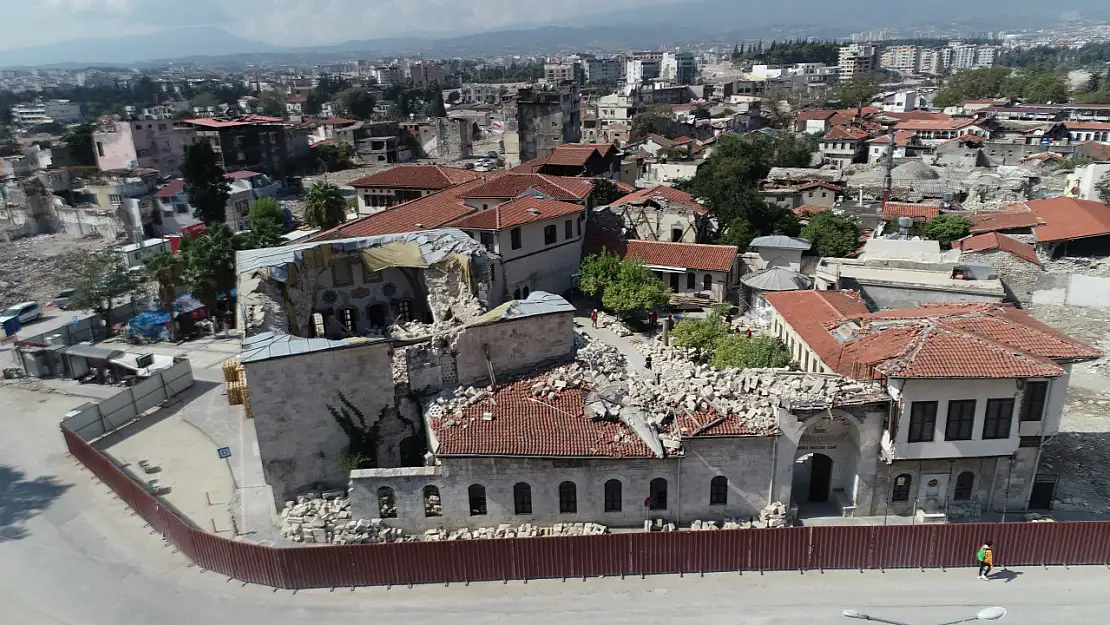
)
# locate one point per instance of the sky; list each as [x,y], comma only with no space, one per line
[283,22]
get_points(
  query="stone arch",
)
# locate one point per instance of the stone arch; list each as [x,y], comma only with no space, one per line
[568,497]
[433,504]
[829,447]
[387,503]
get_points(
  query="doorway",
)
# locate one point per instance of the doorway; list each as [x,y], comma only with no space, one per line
[1044,492]
[674,282]
[820,478]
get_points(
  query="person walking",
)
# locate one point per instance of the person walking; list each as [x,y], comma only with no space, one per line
[647,362]
[652,319]
[748,332]
[985,556]
[593,318]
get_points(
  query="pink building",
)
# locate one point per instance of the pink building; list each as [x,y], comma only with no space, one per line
[142,143]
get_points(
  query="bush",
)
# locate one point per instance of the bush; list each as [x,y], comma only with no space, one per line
[737,350]
[700,333]
[947,228]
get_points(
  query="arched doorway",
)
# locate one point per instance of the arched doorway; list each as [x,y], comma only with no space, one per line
[820,478]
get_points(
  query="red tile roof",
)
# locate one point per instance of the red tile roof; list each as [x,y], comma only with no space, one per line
[426,213]
[920,212]
[710,424]
[995,241]
[241,175]
[685,255]
[669,193]
[1052,220]
[936,351]
[245,120]
[846,133]
[815,115]
[511,185]
[807,312]
[171,189]
[917,114]
[935,124]
[523,425]
[336,121]
[433,177]
[818,184]
[901,137]
[1087,125]
[520,211]
[572,155]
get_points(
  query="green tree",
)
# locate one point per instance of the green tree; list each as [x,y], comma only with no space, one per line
[947,228]
[325,206]
[266,210]
[102,279]
[205,99]
[655,121]
[598,271]
[79,145]
[205,183]
[636,288]
[701,333]
[972,84]
[273,103]
[311,104]
[209,265]
[605,192]
[832,235]
[436,107]
[857,93]
[1103,188]
[166,270]
[759,352]
[357,103]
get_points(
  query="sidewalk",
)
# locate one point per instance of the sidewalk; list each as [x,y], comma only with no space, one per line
[625,345]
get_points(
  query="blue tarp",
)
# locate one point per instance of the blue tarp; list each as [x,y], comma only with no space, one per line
[151,325]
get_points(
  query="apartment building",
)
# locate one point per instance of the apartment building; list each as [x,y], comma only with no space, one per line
[904,59]
[678,67]
[547,117]
[856,60]
[150,143]
[35,113]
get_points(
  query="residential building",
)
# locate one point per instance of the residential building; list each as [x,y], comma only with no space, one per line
[906,145]
[269,145]
[1081,184]
[443,137]
[931,62]
[294,105]
[678,67]
[844,145]
[903,59]
[388,76]
[856,60]
[642,66]
[426,74]
[402,184]
[125,193]
[975,390]
[565,71]
[692,271]
[142,143]
[663,214]
[603,70]
[600,160]
[174,214]
[1059,226]
[933,132]
[1015,261]
[1099,132]
[35,113]
[136,254]
[547,118]
[791,196]
[615,113]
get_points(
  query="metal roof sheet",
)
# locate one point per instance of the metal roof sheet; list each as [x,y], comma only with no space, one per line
[780,242]
[267,346]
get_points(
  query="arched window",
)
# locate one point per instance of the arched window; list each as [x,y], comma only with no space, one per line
[718,491]
[965,483]
[318,329]
[568,498]
[516,293]
[522,498]
[477,494]
[707,283]
[387,505]
[613,496]
[375,315]
[432,504]
[902,485]
[525,292]
[657,494]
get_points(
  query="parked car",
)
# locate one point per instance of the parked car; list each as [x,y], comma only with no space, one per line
[27,312]
[61,300]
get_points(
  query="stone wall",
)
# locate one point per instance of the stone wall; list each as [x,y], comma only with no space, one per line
[300,443]
[514,346]
[902,295]
[990,491]
[1018,275]
[746,462]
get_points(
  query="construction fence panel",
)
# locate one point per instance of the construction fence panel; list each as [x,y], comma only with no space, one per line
[178,377]
[85,421]
[955,545]
[544,558]
[423,563]
[716,550]
[375,565]
[320,567]
[781,549]
[1087,542]
[481,560]
[602,555]
[658,552]
[843,547]
[902,546]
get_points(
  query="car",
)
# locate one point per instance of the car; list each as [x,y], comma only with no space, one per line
[468,166]
[492,154]
[61,300]
[27,312]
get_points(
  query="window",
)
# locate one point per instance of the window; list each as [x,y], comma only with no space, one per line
[370,276]
[477,496]
[1000,414]
[718,491]
[522,498]
[387,505]
[514,236]
[349,318]
[115,199]
[923,421]
[902,487]
[613,496]
[568,498]
[432,504]
[99,149]
[657,494]
[707,282]
[486,239]
[961,420]
[181,209]
[404,311]
[965,483]
[676,235]
[318,324]
[568,229]
[550,235]
[691,282]
[242,207]
[1032,403]
[341,273]
[161,126]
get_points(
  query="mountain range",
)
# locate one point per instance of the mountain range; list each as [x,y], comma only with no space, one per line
[669,24]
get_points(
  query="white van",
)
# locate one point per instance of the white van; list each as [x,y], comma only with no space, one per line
[27,312]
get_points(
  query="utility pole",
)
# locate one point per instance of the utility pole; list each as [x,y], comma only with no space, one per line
[888,180]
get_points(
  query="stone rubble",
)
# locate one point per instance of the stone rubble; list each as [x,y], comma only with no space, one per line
[609,322]
[775,515]
[325,519]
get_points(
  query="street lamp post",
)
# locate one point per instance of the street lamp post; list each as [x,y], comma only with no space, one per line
[986,614]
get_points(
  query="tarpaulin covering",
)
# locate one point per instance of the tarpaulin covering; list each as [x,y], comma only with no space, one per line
[151,325]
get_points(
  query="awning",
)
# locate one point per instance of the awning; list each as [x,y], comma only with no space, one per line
[93,352]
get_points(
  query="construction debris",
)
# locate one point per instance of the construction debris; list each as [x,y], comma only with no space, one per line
[775,515]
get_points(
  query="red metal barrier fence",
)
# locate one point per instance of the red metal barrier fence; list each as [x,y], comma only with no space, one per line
[799,548]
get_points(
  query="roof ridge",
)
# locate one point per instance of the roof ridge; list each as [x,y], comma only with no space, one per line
[1013,349]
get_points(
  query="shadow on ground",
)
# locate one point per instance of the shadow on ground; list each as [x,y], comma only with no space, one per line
[165,411]
[22,498]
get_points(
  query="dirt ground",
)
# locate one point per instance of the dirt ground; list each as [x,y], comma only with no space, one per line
[1080,453]
[27,266]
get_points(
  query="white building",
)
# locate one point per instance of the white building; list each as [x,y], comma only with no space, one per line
[679,67]
[856,60]
[902,59]
[34,113]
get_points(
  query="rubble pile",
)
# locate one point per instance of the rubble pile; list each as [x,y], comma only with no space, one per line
[526,530]
[775,515]
[326,519]
[28,266]
[612,324]
[1090,266]
[727,524]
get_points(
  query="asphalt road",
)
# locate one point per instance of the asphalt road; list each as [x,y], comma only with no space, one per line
[73,555]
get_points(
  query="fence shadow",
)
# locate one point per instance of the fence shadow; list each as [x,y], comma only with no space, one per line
[166,410]
[22,498]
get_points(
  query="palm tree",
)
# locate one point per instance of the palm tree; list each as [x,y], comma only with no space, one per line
[325,206]
[210,266]
[166,270]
